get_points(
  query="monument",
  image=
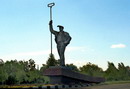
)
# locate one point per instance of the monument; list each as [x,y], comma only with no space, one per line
[62,39]
[62,74]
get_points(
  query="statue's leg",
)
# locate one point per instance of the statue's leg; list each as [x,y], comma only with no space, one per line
[61,50]
[58,49]
[62,57]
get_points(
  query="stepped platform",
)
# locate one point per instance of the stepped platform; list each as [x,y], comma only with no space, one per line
[64,75]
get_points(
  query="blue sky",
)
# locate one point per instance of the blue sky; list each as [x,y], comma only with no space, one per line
[99,29]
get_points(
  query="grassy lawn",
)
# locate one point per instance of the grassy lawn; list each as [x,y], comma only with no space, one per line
[110,85]
[115,82]
[24,85]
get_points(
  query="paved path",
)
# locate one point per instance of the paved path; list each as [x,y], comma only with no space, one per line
[111,86]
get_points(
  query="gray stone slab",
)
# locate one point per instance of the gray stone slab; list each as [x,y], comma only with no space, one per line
[63,75]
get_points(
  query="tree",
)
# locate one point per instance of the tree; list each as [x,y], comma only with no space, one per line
[11,80]
[1,62]
[35,77]
[43,68]
[25,65]
[15,71]
[72,67]
[128,69]
[92,70]
[21,76]
[19,72]
[112,72]
[51,61]
[123,72]
[3,75]
[31,64]
[11,68]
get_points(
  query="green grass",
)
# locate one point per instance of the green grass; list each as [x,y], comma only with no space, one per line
[108,83]
[115,82]
[46,79]
[23,85]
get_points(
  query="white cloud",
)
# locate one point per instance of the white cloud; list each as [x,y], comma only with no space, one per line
[118,46]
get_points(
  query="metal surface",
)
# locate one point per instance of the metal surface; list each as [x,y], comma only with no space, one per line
[51,5]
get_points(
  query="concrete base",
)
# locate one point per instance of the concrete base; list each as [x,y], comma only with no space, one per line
[63,75]
[63,80]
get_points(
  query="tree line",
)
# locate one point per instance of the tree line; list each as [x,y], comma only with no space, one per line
[19,72]
[25,72]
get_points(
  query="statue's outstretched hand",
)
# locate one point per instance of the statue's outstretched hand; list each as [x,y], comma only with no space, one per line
[50,23]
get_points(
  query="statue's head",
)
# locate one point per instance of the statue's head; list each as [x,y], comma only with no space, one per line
[60,27]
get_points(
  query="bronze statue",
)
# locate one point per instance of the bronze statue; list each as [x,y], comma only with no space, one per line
[62,39]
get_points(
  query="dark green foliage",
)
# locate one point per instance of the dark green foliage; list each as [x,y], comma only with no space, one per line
[20,72]
[128,69]
[1,62]
[3,75]
[24,72]
[112,72]
[31,65]
[51,61]
[72,67]
[123,72]
[34,77]
[92,70]
[11,80]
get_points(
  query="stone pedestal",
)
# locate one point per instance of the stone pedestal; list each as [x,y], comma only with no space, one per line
[63,75]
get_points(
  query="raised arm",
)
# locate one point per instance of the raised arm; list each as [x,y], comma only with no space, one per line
[51,28]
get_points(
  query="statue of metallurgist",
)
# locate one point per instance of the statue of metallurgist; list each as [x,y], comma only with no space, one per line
[62,39]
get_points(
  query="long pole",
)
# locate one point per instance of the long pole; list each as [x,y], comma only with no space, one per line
[51,5]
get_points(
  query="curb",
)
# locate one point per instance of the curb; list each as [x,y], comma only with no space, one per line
[60,86]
